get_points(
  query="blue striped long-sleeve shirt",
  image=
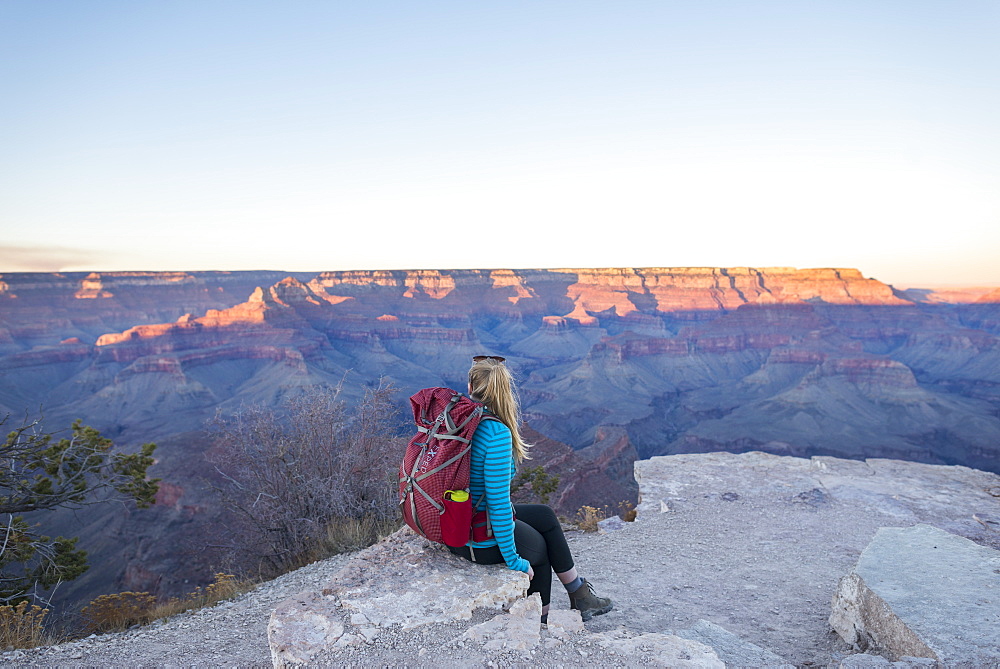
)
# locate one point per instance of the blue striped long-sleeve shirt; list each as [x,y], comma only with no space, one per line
[491,470]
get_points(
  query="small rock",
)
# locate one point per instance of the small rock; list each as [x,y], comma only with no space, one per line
[610,524]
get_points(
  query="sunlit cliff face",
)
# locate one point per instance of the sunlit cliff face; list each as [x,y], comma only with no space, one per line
[714,355]
[613,364]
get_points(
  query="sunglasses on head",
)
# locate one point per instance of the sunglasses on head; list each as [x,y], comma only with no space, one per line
[480,358]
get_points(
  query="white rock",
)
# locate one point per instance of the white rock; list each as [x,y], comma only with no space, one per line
[563,622]
[302,626]
[403,580]
[611,524]
[438,587]
[519,629]
[922,592]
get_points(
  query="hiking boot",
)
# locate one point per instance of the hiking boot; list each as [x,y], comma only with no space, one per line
[586,601]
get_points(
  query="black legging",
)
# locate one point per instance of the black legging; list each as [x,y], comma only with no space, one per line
[539,539]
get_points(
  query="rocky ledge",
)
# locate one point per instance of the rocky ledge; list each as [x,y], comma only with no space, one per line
[409,600]
[734,560]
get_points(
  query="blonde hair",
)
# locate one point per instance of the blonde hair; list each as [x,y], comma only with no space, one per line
[491,383]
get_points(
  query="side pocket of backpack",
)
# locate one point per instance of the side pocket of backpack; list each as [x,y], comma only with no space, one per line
[456,518]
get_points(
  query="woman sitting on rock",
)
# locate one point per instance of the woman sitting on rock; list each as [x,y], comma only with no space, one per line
[534,542]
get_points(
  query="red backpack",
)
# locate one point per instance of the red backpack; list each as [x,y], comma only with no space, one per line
[434,476]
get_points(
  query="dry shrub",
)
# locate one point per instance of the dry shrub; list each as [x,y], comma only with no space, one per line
[21,627]
[225,586]
[588,517]
[114,613]
[351,534]
[295,482]
[627,511]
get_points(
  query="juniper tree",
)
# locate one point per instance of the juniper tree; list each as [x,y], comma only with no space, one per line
[41,473]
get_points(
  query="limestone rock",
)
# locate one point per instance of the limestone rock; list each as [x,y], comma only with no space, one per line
[301,626]
[518,630]
[733,650]
[611,524]
[923,592]
[409,581]
[402,583]
[564,622]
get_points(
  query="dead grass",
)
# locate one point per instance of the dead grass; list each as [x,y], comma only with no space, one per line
[225,586]
[114,613]
[351,534]
[21,626]
[347,534]
[627,511]
[588,517]
[117,612]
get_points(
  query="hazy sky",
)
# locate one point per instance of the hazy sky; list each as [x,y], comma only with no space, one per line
[342,135]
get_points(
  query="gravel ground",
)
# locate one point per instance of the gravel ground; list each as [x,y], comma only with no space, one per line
[232,633]
[753,549]
[770,583]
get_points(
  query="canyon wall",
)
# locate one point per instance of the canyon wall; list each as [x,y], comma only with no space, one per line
[614,364]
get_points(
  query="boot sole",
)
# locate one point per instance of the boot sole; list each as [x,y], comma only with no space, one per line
[590,613]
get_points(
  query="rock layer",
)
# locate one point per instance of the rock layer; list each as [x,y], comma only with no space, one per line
[923,592]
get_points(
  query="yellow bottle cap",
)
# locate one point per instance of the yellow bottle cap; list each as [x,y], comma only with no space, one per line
[456,495]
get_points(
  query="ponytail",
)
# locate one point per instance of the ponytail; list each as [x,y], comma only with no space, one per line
[491,383]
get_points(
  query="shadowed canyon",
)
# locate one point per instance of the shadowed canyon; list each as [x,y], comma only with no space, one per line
[614,364]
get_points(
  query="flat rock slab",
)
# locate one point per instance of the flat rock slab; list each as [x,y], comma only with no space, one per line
[408,581]
[402,582]
[731,649]
[757,543]
[922,592]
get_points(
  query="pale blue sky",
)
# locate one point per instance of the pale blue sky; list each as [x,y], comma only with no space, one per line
[334,135]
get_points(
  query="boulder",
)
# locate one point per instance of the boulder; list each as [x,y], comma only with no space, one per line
[922,592]
[408,581]
[519,630]
[402,582]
